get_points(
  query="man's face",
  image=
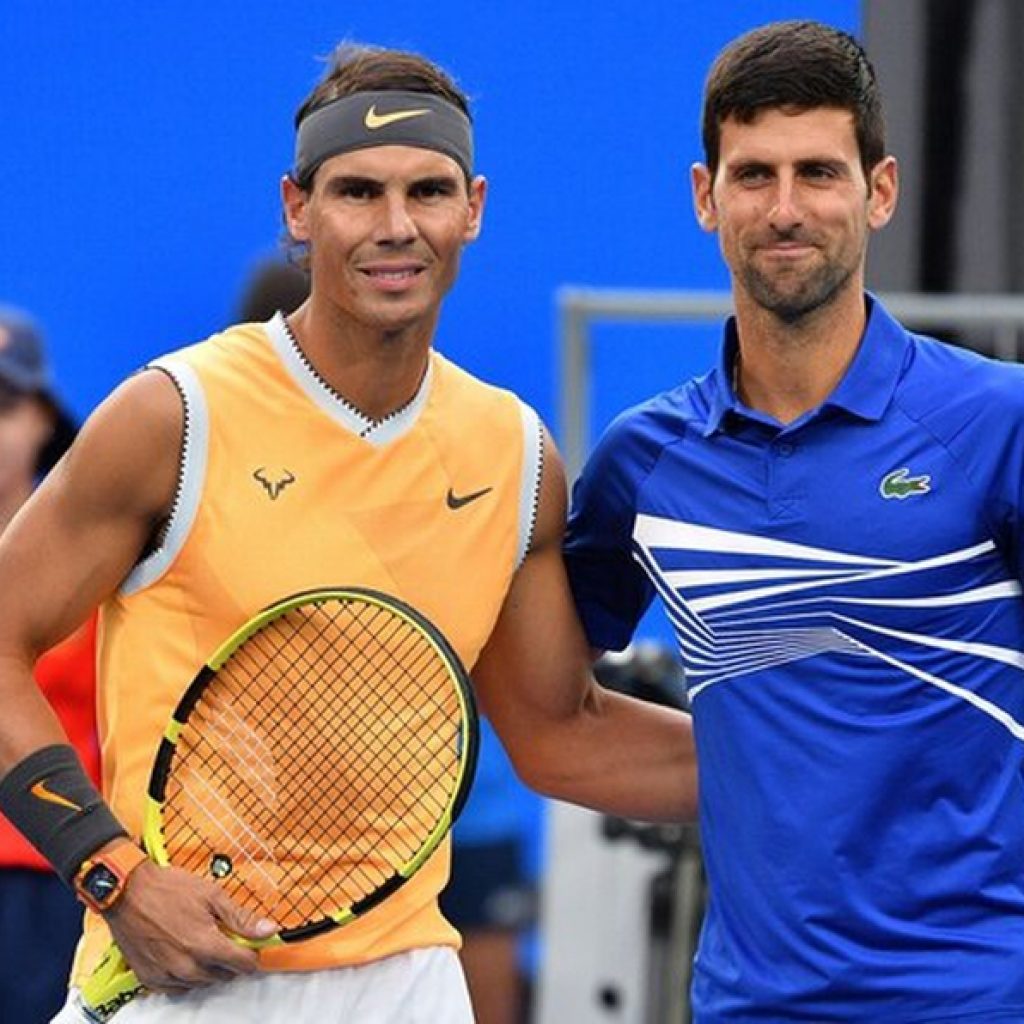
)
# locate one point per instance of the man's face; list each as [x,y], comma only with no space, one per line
[793,208]
[385,228]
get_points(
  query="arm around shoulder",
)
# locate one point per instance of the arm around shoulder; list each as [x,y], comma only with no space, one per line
[567,736]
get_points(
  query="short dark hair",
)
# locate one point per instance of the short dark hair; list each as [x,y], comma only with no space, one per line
[800,65]
[356,67]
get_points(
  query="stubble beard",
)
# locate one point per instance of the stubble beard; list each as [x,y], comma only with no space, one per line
[789,297]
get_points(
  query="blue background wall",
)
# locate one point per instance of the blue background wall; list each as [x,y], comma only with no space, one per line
[142,146]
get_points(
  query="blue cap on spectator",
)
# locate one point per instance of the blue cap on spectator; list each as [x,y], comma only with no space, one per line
[23,363]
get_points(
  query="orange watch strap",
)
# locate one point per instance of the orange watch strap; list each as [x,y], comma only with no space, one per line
[125,858]
[120,861]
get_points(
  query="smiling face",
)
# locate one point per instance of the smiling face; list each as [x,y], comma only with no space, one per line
[793,208]
[385,227]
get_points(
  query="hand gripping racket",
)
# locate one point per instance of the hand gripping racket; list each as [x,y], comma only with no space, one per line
[311,768]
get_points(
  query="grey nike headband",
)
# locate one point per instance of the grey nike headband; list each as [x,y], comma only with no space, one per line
[366,119]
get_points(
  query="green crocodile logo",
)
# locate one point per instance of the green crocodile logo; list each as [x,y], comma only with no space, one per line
[900,484]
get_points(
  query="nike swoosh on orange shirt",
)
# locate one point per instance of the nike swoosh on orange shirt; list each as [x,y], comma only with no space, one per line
[43,792]
[457,501]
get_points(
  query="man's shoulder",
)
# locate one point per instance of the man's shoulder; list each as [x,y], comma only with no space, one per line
[475,398]
[228,344]
[634,441]
[969,403]
[943,377]
[665,418]
[455,376]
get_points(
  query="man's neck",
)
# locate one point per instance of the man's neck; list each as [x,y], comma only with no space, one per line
[787,369]
[375,370]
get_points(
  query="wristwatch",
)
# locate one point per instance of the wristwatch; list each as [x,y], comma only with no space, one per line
[102,878]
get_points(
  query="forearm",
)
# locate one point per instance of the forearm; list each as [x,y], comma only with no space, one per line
[568,737]
[28,721]
[44,790]
[618,755]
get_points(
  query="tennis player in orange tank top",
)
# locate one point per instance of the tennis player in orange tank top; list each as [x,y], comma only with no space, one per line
[332,446]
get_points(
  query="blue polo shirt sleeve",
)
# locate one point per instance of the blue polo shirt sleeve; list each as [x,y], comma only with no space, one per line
[610,588]
[1005,451]
[981,423]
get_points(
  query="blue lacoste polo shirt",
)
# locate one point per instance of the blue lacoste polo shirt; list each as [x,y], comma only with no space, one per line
[846,596]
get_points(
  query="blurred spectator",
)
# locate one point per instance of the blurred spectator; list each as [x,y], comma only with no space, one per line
[273,285]
[40,920]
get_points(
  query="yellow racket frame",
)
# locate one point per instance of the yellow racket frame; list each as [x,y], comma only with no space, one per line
[113,984]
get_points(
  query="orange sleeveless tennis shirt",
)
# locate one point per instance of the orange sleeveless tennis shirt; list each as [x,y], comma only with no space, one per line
[285,487]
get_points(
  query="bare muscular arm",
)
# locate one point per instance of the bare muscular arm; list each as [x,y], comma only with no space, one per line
[567,736]
[75,540]
[68,549]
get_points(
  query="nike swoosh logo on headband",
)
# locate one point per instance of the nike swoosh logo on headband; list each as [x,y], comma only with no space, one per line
[373,120]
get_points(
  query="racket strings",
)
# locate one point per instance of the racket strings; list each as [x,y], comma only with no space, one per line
[324,754]
[403,788]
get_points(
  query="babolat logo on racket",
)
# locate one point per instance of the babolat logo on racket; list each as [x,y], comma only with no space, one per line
[102,1013]
[273,483]
[900,484]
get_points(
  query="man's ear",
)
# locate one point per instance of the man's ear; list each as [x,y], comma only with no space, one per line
[294,203]
[884,185]
[702,181]
[477,200]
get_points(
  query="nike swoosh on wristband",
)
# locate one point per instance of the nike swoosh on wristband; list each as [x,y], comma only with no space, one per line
[455,501]
[42,792]
[373,120]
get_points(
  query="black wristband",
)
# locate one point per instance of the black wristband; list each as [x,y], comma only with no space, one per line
[52,802]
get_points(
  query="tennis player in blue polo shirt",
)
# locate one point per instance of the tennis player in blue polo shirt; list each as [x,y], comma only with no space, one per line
[832,519]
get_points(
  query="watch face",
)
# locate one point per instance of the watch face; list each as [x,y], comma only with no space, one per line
[100,883]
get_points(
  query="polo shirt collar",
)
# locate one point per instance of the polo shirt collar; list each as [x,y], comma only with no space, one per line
[870,381]
[867,386]
[721,397]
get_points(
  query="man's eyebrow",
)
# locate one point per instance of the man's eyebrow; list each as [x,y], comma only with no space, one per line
[823,161]
[748,163]
[343,181]
[759,164]
[339,181]
[450,180]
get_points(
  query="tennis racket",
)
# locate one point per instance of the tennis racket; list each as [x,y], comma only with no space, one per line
[337,720]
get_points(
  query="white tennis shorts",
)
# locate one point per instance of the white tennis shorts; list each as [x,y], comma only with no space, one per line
[423,986]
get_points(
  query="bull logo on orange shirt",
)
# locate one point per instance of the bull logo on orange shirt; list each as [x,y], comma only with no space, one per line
[275,484]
